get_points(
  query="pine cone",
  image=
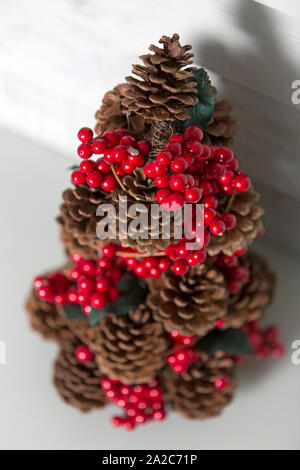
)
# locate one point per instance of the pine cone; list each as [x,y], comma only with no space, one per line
[72,246]
[248,225]
[250,303]
[45,319]
[222,126]
[190,304]
[163,89]
[193,393]
[110,114]
[78,384]
[78,214]
[140,191]
[130,348]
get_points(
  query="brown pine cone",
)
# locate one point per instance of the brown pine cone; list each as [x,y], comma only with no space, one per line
[164,88]
[139,190]
[190,304]
[193,393]
[250,303]
[78,214]
[78,384]
[45,319]
[110,114]
[248,225]
[130,348]
[222,126]
[72,245]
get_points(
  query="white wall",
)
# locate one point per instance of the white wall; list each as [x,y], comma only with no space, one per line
[58,57]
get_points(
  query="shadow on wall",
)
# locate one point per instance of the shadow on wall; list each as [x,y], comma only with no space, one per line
[257,75]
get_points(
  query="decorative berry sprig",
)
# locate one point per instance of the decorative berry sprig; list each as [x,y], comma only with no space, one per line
[141,403]
[121,154]
[235,273]
[265,342]
[183,353]
[92,283]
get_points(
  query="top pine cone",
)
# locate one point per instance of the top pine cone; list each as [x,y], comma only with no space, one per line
[165,85]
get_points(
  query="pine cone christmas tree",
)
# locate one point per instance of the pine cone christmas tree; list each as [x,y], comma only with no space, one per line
[78,384]
[190,304]
[78,213]
[194,394]
[130,348]
[250,303]
[248,225]
[45,319]
[222,126]
[164,87]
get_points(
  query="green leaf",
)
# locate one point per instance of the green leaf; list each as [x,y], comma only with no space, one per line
[133,293]
[74,312]
[201,113]
[73,167]
[231,341]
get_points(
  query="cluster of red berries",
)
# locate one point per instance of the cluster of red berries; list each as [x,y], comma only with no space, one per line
[92,284]
[265,342]
[235,273]
[53,288]
[183,352]
[141,403]
[189,171]
[95,280]
[118,148]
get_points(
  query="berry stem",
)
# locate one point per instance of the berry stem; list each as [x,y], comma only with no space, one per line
[230,202]
[118,179]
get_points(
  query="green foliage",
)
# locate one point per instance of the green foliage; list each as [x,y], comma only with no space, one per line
[232,341]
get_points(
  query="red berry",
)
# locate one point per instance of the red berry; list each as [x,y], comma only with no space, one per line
[177,182]
[229,220]
[193,132]
[209,215]
[164,264]
[109,250]
[234,286]
[174,148]
[85,134]
[102,166]
[241,182]
[128,140]
[110,183]
[102,284]
[78,178]
[75,273]
[149,170]
[181,250]
[193,195]
[228,189]
[206,188]
[71,296]
[127,167]
[87,166]
[180,267]
[164,158]
[197,257]
[83,354]
[159,169]
[83,298]
[143,147]
[162,181]
[224,155]
[217,227]
[206,152]
[94,179]
[99,146]
[194,147]
[86,284]
[87,267]
[234,164]
[119,154]
[227,178]
[113,293]
[214,171]
[162,195]
[220,323]
[136,160]
[221,383]
[98,300]
[278,350]
[173,202]
[39,281]
[179,165]
[210,202]
[45,292]
[109,156]
[84,151]
[116,421]
[104,263]
[111,138]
